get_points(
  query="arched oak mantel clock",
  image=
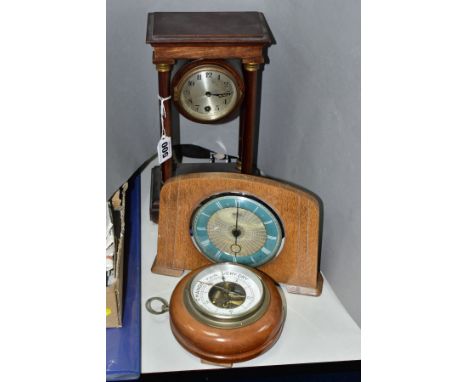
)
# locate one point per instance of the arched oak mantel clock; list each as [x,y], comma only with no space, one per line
[207,89]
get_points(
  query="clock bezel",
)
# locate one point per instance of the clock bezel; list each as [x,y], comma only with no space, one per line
[248,196]
[195,66]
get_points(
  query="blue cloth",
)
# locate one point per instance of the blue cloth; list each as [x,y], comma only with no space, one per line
[123,355]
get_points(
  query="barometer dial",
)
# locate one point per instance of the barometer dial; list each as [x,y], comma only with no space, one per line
[227,291]
[237,228]
[227,312]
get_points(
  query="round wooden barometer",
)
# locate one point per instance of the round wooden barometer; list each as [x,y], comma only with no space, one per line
[227,313]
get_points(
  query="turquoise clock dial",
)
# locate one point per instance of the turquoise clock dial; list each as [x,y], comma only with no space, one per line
[237,228]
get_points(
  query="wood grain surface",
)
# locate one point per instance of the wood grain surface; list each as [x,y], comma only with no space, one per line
[298,262]
[207,27]
[165,91]
[248,123]
[247,53]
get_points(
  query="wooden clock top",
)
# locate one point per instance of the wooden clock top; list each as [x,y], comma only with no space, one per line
[207,27]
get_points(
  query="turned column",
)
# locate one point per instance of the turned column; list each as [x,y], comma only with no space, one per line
[248,117]
[164,80]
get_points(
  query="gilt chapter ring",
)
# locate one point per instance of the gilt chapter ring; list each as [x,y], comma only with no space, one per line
[164,306]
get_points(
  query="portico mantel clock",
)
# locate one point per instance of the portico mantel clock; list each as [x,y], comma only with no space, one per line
[208,88]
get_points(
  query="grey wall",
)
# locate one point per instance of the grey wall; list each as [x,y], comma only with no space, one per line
[310,113]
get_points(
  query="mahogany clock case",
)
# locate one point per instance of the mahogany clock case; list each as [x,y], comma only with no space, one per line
[298,263]
[231,345]
[240,36]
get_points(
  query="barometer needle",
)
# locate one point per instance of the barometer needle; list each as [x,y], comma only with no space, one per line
[236,229]
[236,302]
[229,292]
[221,288]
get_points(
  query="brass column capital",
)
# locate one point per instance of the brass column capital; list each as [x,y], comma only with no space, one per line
[163,67]
[251,66]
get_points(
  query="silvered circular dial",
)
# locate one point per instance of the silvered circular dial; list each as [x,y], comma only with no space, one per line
[208,92]
[227,291]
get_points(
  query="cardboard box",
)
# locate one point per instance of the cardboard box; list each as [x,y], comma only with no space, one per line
[114,296]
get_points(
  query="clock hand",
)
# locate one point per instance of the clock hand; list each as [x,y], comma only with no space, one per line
[220,95]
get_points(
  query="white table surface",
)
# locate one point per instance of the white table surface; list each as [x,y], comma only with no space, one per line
[317,329]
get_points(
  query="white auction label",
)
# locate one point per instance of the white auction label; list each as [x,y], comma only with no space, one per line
[164,149]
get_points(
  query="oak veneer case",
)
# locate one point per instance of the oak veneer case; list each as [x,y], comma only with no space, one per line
[298,263]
